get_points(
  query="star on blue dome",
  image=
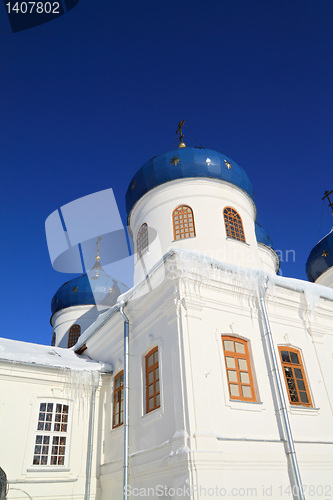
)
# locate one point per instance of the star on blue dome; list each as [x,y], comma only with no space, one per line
[185,163]
[320,258]
[95,287]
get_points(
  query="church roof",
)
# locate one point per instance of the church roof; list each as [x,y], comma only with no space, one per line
[320,258]
[35,354]
[185,163]
[95,287]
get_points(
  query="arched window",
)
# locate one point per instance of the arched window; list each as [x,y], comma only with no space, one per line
[294,375]
[183,222]
[233,224]
[238,367]
[118,400]
[152,381]
[73,335]
[53,341]
[142,240]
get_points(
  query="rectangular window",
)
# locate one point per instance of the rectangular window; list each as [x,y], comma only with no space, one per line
[51,437]
[118,400]
[238,368]
[152,381]
[294,376]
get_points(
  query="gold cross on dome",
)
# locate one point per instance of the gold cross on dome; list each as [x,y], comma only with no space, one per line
[181,136]
[228,164]
[325,253]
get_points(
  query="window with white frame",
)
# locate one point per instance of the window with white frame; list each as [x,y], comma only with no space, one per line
[51,435]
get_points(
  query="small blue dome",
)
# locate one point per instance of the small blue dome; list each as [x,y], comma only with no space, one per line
[320,258]
[262,236]
[96,287]
[185,163]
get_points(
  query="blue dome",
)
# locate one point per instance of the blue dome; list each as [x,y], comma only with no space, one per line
[320,258]
[262,236]
[96,287]
[185,163]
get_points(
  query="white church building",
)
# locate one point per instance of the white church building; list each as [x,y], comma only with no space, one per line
[212,377]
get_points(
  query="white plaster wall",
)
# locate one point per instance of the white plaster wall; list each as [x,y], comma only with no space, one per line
[198,435]
[62,320]
[207,198]
[326,278]
[22,389]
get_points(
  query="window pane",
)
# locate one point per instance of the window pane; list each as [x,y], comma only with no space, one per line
[244,376]
[234,390]
[157,386]
[301,385]
[303,397]
[157,376]
[246,390]
[240,347]
[230,362]
[285,356]
[151,360]
[232,376]
[150,403]
[298,373]
[156,357]
[294,358]
[242,363]
[150,377]
[228,345]
[157,400]
[150,390]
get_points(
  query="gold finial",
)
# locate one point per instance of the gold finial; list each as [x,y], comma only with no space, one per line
[97,258]
[327,195]
[181,136]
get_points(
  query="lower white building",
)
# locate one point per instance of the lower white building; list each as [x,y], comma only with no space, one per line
[211,377]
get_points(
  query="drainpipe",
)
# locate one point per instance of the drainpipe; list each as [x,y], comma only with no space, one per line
[126,409]
[291,453]
[90,440]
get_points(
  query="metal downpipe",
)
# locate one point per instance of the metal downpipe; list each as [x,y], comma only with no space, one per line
[299,494]
[126,408]
[90,440]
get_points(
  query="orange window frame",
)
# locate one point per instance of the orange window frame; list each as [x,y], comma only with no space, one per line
[238,369]
[152,381]
[183,222]
[233,224]
[73,335]
[142,240]
[118,400]
[294,376]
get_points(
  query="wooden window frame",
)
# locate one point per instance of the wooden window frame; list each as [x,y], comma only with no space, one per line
[233,224]
[239,371]
[183,215]
[118,397]
[73,335]
[51,439]
[153,381]
[142,243]
[295,366]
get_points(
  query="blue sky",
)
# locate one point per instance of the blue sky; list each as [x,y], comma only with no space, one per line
[91,96]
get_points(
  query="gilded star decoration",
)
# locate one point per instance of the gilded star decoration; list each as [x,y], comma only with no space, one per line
[325,253]
[75,289]
[228,164]
[175,160]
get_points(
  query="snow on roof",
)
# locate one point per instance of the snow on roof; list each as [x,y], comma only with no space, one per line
[35,354]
